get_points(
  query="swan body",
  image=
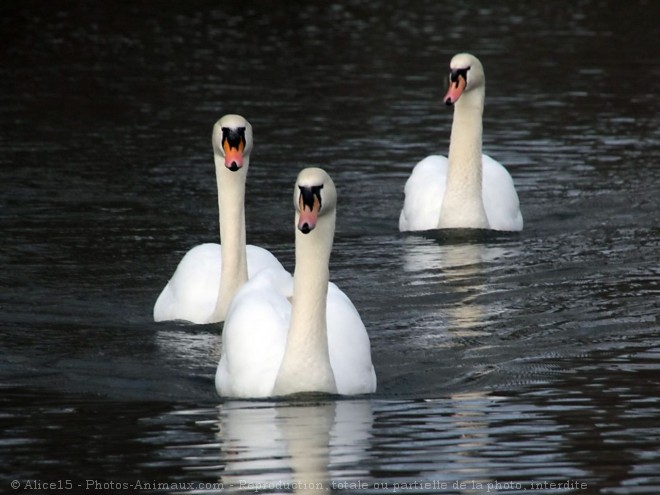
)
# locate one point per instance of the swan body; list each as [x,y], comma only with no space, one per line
[468,189]
[192,292]
[209,275]
[287,334]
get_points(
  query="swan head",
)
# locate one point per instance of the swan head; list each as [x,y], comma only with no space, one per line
[232,140]
[314,196]
[465,75]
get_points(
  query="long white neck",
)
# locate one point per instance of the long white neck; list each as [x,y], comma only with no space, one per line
[463,206]
[306,363]
[231,204]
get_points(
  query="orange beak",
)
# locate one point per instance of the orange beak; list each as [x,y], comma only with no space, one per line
[233,156]
[455,90]
[308,216]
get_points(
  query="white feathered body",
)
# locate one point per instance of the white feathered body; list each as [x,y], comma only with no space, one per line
[192,292]
[425,190]
[255,335]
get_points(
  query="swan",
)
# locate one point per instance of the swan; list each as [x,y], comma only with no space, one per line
[469,189]
[287,334]
[209,275]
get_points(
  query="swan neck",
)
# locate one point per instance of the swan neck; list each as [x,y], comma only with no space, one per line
[465,145]
[462,204]
[306,363]
[231,206]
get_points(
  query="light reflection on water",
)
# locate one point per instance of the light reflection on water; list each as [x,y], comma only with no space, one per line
[500,358]
[469,438]
[300,444]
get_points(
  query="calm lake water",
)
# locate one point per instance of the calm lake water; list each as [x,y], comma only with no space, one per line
[506,362]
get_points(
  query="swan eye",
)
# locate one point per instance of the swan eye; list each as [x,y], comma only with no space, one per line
[233,138]
[455,74]
[310,197]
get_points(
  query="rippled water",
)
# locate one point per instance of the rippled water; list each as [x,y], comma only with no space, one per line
[505,361]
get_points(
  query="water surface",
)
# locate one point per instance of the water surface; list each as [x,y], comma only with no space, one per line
[505,361]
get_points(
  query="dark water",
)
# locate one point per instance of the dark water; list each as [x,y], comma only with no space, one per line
[506,363]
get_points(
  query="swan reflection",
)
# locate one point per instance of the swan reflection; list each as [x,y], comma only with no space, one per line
[455,278]
[289,447]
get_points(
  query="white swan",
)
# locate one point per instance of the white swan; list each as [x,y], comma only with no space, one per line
[209,275]
[469,189]
[317,342]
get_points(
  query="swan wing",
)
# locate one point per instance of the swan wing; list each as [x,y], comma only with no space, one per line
[500,198]
[192,292]
[349,346]
[259,259]
[254,335]
[424,191]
